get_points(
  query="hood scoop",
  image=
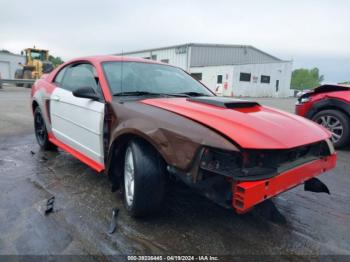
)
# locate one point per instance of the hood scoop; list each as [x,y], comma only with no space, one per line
[223,102]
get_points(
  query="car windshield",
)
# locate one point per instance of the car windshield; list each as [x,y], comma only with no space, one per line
[143,78]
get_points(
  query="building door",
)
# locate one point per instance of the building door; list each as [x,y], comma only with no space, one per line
[5,70]
[277,85]
[219,88]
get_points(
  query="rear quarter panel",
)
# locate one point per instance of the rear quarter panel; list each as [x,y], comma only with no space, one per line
[40,94]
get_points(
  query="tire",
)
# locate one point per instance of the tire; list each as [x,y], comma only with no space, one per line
[41,134]
[27,74]
[143,179]
[19,75]
[336,122]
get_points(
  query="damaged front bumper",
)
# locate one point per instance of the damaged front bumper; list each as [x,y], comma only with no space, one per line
[247,194]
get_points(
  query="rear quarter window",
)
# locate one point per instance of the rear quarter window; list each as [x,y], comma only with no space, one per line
[59,77]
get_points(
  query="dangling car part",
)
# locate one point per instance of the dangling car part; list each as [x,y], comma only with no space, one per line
[315,185]
[138,121]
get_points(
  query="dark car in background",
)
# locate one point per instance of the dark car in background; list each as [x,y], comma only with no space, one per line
[329,106]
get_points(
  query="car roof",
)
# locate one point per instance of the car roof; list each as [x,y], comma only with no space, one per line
[104,58]
[111,58]
[331,87]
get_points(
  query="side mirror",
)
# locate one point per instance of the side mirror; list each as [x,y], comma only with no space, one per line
[86,92]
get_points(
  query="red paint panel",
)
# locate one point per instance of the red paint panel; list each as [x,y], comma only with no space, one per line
[248,194]
[304,108]
[257,127]
[85,159]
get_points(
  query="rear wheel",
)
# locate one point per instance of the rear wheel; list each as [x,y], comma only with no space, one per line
[337,123]
[143,179]
[41,131]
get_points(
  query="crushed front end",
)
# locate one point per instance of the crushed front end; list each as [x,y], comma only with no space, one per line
[244,179]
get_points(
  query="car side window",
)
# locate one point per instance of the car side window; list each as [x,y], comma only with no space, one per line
[81,75]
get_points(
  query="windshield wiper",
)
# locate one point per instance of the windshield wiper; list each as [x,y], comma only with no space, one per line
[136,93]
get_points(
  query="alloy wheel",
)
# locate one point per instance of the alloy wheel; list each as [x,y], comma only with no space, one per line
[40,130]
[129,176]
[333,124]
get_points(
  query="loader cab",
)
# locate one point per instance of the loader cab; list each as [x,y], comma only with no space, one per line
[32,54]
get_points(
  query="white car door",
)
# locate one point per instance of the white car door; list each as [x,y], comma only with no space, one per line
[78,122]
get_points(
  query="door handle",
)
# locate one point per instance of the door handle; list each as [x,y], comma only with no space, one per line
[55,98]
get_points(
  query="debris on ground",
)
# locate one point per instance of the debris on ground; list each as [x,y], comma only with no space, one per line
[113,225]
[49,205]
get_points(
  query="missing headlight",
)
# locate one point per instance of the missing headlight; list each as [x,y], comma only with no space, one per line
[219,161]
[251,164]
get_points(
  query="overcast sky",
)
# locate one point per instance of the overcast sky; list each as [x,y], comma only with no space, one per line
[314,33]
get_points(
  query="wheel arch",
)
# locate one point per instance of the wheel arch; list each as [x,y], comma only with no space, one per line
[329,104]
[114,161]
[35,104]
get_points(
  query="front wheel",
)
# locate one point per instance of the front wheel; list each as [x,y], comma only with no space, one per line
[337,123]
[143,179]
[27,74]
[41,131]
[19,75]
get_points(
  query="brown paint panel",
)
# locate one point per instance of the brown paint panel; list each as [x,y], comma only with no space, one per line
[175,137]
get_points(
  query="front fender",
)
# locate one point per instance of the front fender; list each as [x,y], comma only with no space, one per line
[176,138]
[328,103]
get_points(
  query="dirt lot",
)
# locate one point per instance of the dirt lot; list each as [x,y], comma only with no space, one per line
[315,224]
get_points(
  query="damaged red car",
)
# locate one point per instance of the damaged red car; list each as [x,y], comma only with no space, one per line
[329,106]
[139,121]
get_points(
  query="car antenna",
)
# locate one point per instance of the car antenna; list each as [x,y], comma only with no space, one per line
[121,73]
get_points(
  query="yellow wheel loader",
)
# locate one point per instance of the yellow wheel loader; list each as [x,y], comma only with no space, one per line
[37,63]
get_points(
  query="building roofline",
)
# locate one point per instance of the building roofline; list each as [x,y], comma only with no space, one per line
[6,53]
[151,49]
[200,45]
[241,64]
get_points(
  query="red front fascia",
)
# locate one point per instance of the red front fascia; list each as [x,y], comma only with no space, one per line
[302,109]
[248,194]
[85,159]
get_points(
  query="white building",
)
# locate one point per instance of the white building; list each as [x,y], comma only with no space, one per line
[9,63]
[228,70]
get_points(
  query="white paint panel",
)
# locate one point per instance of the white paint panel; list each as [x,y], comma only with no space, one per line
[78,122]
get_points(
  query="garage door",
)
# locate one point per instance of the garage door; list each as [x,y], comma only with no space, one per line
[5,69]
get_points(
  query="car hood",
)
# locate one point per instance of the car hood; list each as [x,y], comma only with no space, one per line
[248,124]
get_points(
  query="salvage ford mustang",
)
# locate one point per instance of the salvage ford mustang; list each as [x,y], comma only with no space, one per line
[139,121]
